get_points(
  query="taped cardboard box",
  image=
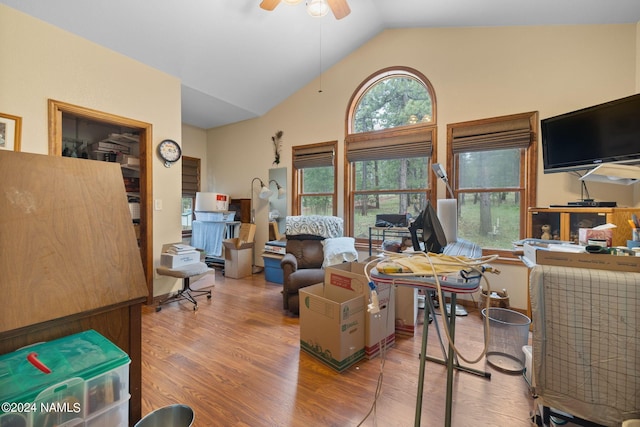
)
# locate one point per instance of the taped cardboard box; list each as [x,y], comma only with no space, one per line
[332,325]
[380,327]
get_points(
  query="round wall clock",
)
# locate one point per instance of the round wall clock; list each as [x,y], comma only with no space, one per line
[169,151]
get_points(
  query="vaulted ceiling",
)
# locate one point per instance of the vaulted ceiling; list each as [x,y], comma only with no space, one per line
[236,61]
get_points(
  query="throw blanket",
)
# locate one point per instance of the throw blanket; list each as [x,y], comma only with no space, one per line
[208,235]
[314,225]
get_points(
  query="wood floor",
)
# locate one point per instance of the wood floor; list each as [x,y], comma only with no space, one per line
[237,362]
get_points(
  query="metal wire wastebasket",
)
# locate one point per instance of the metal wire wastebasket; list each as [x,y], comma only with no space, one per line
[508,332]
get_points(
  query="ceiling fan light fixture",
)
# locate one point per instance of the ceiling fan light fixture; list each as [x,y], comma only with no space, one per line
[292,2]
[317,8]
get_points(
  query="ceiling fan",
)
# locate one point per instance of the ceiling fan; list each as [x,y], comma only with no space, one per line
[340,8]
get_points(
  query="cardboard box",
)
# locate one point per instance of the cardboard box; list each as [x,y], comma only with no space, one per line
[349,276]
[530,250]
[586,234]
[236,243]
[332,326]
[406,307]
[247,232]
[180,260]
[237,258]
[586,260]
[379,327]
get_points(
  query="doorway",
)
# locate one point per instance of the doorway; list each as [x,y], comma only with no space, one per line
[60,112]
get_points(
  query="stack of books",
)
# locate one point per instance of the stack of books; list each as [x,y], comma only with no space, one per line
[114,143]
[276,247]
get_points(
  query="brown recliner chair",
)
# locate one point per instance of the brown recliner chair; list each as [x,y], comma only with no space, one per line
[301,266]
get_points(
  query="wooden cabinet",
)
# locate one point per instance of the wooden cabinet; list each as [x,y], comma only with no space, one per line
[565,222]
[242,208]
[70,260]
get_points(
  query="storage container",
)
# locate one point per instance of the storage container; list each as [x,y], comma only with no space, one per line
[211,202]
[87,374]
[272,270]
[114,416]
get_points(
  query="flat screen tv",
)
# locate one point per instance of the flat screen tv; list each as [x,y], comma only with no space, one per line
[586,138]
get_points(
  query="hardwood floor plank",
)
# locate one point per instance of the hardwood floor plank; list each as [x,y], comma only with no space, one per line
[237,362]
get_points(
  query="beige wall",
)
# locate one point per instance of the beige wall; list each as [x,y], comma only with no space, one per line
[476,73]
[40,62]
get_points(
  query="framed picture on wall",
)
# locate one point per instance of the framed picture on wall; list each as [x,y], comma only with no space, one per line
[10,128]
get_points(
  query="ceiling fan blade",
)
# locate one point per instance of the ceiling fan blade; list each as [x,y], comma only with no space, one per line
[340,8]
[269,4]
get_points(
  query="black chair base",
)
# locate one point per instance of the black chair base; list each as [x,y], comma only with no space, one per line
[186,293]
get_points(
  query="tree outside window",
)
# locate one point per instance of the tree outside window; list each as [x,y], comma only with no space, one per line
[314,179]
[317,193]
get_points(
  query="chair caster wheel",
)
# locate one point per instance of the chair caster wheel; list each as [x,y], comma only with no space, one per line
[195,308]
[209,296]
[158,308]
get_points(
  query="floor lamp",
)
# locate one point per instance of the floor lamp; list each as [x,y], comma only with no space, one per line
[281,191]
[264,194]
[448,216]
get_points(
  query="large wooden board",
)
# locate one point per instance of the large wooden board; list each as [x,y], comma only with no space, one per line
[67,240]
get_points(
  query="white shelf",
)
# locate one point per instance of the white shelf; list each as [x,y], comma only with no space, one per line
[613,173]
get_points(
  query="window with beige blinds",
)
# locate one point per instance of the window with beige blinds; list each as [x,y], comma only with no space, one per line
[190,186]
[314,179]
[492,167]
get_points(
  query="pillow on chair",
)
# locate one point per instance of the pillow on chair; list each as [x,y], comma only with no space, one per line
[338,250]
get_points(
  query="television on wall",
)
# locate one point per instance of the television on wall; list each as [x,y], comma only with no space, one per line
[589,137]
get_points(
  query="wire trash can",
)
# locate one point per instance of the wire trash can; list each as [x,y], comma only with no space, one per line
[168,416]
[508,333]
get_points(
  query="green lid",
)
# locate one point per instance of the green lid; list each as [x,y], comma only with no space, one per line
[85,355]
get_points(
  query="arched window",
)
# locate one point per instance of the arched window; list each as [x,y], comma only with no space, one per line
[389,147]
[391,99]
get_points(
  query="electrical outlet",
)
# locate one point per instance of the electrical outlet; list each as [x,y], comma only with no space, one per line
[157,203]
